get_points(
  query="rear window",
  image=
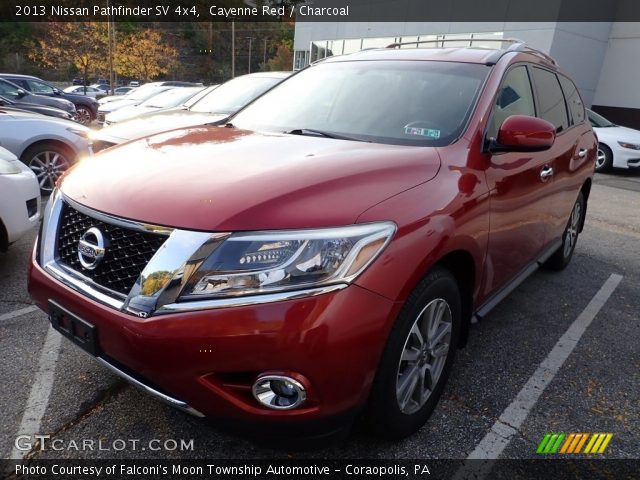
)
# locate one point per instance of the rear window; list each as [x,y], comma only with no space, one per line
[574,102]
[550,99]
[395,102]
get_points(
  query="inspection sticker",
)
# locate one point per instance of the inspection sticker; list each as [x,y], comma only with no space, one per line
[423,132]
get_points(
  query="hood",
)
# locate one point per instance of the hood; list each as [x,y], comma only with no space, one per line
[126,113]
[60,103]
[222,179]
[115,105]
[17,114]
[42,109]
[618,133]
[154,122]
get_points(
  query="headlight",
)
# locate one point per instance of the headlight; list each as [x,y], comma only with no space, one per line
[80,132]
[265,262]
[632,146]
[8,168]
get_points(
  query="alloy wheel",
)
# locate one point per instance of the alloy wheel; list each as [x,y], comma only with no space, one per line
[83,116]
[601,158]
[571,234]
[48,167]
[424,356]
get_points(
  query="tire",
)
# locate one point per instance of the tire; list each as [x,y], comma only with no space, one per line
[604,159]
[48,161]
[83,115]
[398,405]
[561,257]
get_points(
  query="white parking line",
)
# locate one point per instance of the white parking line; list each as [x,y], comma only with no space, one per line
[17,313]
[503,430]
[40,390]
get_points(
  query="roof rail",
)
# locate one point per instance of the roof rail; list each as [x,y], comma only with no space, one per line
[516,45]
[446,40]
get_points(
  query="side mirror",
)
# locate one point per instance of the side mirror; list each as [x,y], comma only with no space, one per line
[21,93]
[522,133]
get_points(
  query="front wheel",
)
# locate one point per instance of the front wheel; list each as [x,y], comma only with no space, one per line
[83,115]
[417,359]
[561,258]
[604,159]
[48,161]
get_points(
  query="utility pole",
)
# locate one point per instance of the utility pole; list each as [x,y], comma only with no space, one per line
[233,49]
[250,39]
[264,54]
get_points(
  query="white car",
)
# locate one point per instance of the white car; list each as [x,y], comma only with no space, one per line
[136,98]
[618,146]
[80,90]
[47,145]
[19,199]
[173,97]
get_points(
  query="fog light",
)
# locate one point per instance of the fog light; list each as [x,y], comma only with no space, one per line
[278,392]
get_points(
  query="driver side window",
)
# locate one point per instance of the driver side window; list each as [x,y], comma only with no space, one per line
[38,87]
[514,98]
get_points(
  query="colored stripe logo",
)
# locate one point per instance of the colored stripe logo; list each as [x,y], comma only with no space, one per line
[563,443]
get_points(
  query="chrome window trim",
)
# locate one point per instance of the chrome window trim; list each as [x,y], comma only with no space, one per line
[211,304]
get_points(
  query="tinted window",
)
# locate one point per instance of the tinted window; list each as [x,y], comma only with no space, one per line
[8,90]
[550,98]
[39,87]
[576,108]
[514,98]
[395,102]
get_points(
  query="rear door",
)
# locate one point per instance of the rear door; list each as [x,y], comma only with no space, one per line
[562,106]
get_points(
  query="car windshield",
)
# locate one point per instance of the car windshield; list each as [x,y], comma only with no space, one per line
[234,94]
[145,93]
[598,121]
[171,98]
[394,102]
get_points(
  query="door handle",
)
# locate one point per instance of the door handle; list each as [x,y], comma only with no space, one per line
[546,173]
[582,153]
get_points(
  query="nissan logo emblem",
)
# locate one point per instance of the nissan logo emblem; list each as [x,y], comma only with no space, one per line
[91,248]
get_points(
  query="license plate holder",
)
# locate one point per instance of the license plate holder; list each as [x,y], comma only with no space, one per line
[79,331]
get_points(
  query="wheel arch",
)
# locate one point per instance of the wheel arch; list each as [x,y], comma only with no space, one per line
[461,265]
[54,141]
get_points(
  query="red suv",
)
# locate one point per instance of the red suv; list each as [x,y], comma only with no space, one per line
[323,255]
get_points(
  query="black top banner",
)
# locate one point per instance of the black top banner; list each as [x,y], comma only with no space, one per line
[320,10]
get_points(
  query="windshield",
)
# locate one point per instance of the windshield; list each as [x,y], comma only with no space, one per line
[146,92]
[171,98]
[234,94]
[598,120]
[395,102]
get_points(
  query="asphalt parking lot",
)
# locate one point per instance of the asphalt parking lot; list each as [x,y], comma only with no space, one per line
[595,390]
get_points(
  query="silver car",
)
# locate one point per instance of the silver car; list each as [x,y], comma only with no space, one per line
[47,145]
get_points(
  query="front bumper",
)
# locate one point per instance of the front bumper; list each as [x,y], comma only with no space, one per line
[208,359]
[20,204]
[626,158]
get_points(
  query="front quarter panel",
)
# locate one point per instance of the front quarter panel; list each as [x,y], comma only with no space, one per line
[449,213]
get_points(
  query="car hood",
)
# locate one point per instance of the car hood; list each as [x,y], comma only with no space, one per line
[617,133]
[116,104]
[223,179]
[60,103]
[20,115]
[155,122]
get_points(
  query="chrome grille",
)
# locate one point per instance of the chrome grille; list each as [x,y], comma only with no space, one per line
[129,251]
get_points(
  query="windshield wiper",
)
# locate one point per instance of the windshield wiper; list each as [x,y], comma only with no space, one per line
[322,133]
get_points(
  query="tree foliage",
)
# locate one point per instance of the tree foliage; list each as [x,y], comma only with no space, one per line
[283,59]
[84,45]
[144,56]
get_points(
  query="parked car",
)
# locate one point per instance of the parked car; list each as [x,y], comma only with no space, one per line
[122,91]
[173,97]
[89,91]
[140,95]
[13,92]
[329,246]
[212,106]
[47,145]
[134,83]
[8,104]
[86,107]
[104,88]
[19,199]
[77,81]
[618,146]
[115,96]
